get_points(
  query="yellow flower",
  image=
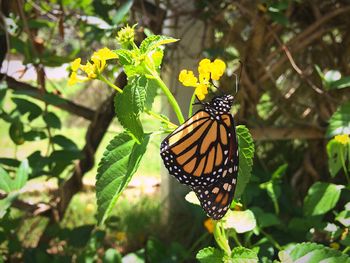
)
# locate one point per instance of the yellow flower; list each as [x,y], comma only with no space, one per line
[100,56]
[218,68]
[74,78]
[343,138]
[204,66]
[209,225]
[187,78]
[126,35]
[75,64]
[90,70]
[201,90]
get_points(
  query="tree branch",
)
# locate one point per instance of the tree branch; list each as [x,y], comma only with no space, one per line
[53,99]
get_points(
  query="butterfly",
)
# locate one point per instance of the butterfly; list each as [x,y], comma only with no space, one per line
[203,154]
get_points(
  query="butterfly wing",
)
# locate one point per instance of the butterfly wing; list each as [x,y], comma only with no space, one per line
[197,152]
[216,198]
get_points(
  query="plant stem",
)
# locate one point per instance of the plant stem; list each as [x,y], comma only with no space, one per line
[169,95]
[190,109]
[221,238]
[344,166]
[159,117]
[109,83]
[346,249]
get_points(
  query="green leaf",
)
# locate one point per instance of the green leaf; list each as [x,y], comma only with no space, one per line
[25,106]
[339,123]
[314,253]
[246,154]
[112,256]
[321,198]
[279,18]
[79,236]
[5,181]
[337,156]
[265,219]
[119,163]
[21,175]
[3,90]
[130,104]
[151,93]
[52,120]
[65,143]
[8,184]
[240,221]
[6,203]
[340,83]
[34,135]
[17,132]
[153,42]
[344,218]
[125,57]
[243,255]
[209,255]
[122,11]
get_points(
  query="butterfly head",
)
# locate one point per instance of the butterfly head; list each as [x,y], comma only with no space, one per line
[220,104]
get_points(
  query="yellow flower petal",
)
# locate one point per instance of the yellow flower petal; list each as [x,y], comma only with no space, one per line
[204,66]
[187,78]
[201,90]
[75,64]
[218,68]
[90,70]
[104,54]
[343,138]
[72,79]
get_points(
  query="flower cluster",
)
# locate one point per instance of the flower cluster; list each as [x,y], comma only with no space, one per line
[343,138]
[207,70]
[91,69]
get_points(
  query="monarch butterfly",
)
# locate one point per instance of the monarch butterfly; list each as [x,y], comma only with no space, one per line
[203,154]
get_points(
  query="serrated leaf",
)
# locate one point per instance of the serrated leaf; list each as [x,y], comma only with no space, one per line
[243,255]
[240,221]
[315,253]
[246,154]
[119,163]
[130,104]
[339,123]
[321,198]
[152,42]
[25,106]
[52,120]
[209,255]
[125,57]
[151,93]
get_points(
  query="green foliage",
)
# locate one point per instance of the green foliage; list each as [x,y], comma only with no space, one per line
[321,198]
[339,123]
[312,253]
[210,254]
[9,184]
[119,163]
[246,154]
[338,154]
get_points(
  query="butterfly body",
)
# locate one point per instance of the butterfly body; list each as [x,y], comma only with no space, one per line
[203,154]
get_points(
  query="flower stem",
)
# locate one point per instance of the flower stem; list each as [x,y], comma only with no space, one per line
[159,117]
[109,83]
[190,109]
[221,238]
[170,96]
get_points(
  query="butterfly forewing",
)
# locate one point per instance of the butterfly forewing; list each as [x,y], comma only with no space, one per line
[197,151]
[216,198]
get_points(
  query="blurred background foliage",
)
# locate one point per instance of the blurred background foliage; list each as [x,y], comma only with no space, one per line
[294,98]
